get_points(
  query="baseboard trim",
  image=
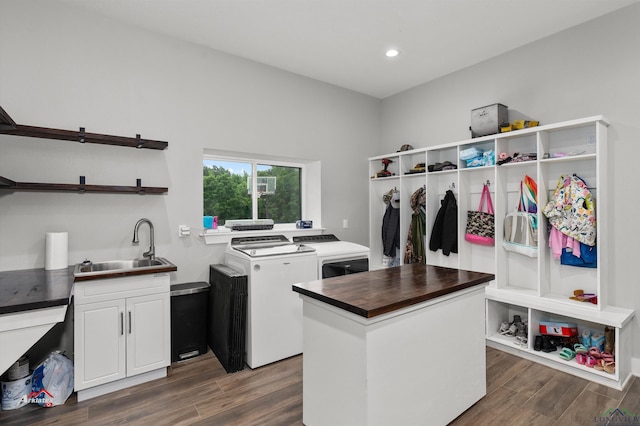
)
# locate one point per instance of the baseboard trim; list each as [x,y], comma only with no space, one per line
[635,366]
[121,384]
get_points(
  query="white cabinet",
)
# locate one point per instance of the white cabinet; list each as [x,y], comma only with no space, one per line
[537,289]
[148,344]
[121,332]
[99,343]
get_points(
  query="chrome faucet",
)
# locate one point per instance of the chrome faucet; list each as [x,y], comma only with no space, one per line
[151,254]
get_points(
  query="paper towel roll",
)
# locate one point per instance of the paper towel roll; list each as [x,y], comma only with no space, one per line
[56,250]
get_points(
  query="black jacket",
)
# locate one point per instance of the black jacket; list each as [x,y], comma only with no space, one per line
[391,231]
[444,234]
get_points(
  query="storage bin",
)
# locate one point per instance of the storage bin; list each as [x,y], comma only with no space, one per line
[487,120]
[564,329]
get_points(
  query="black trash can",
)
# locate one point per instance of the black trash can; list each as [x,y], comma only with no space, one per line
[189,311]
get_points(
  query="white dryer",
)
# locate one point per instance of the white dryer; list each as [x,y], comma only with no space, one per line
[274,312]
[336,257]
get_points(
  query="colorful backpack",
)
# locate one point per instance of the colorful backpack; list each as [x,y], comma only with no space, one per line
[572,210]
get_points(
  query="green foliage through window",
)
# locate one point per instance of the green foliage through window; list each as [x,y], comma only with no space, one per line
[227,191]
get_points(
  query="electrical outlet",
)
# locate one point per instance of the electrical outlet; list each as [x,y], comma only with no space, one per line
[184,231]
[591,139]
[345,223]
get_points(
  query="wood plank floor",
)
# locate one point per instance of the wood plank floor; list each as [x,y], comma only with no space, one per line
[199,392]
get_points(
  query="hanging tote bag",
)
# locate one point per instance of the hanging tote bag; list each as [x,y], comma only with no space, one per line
[521,226]
[481,224]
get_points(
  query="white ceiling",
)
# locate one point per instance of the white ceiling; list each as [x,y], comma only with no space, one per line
[342,42]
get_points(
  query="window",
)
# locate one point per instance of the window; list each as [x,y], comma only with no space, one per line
[235,188]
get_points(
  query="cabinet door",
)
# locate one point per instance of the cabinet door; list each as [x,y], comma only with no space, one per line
[148,333]
[99,343]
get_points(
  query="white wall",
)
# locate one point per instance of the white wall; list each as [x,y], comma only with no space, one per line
[65,68]
[588,70]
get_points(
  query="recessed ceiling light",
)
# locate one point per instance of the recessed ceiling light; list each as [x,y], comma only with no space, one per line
[392,53]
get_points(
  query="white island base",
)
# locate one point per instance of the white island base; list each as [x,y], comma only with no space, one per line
[420,365]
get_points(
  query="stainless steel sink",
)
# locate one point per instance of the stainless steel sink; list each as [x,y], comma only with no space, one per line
[89,270]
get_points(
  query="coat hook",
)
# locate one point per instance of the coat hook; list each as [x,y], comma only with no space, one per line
[139,142]
[488,182]
[81,135]
[452,186]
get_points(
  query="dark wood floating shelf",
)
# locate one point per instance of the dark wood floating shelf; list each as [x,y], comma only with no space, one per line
[9,127]
[9,185]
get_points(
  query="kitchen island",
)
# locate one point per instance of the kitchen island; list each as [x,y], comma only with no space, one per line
[401,345]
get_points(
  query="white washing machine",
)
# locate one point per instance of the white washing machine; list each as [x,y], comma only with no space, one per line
[336,257]
[274,312]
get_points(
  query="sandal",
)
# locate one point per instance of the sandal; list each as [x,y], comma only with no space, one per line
[581,296]
[607,357]
[609,367]
[581,358]
[595,352]
[579,348]
[590,361]
[567,354]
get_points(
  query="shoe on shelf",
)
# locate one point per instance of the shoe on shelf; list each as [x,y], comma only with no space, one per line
[548,345]
[522,341]
[579,348]
[537,343]
[597,340]
[609,339]
[511,331]
[567,354]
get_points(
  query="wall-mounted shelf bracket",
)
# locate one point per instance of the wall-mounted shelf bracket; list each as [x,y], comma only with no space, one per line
[81,187]
[9,127]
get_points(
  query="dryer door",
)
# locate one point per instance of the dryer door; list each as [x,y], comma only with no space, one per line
[335,269]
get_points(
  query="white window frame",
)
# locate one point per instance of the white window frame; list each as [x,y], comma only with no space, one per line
[310,192]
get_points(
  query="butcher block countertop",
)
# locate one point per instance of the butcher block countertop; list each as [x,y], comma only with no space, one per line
[28,289]
[374,293]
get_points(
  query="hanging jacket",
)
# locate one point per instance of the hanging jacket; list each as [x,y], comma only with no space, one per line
[414,252]
[391,231]
[571,210]
[444,234]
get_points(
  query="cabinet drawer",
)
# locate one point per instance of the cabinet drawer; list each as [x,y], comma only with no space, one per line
[117,288]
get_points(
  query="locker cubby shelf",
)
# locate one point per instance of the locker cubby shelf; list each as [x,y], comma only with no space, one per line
[532,286]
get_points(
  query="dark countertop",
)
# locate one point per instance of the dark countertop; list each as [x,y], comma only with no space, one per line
[29,289]
[373,293]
